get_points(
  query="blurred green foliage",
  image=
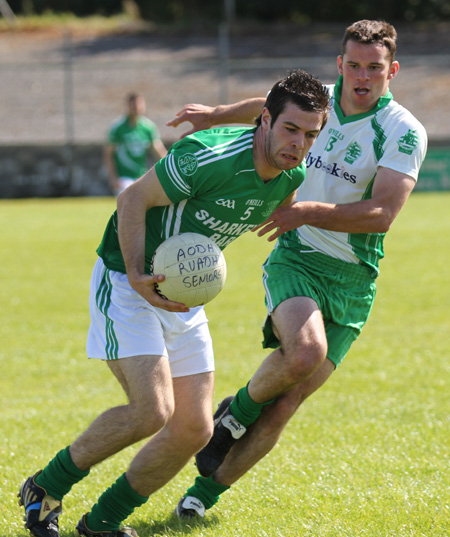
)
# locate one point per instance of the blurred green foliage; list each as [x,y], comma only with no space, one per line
[190,11]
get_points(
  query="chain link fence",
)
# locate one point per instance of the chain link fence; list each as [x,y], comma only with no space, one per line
[68,90]
[64,91]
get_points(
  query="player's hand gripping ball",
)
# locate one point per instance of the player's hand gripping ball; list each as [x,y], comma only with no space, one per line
[194,268]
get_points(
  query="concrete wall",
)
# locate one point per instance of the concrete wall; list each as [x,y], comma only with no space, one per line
[28,171]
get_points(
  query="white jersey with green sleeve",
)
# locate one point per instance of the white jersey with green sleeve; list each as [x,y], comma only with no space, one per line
[211,180]
[131,144]
[341,168]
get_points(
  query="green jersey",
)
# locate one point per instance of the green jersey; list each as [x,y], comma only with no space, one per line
[131,145]
[211,180]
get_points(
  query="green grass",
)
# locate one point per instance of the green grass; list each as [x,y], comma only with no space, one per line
[367,455]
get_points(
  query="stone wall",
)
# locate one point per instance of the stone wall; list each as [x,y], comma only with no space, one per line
[28,171]
[51,171]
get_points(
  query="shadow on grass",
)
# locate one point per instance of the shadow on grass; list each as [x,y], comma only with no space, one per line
[172,525]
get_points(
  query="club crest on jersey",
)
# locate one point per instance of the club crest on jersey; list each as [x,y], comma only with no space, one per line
[270,208]
[354,151]
[408,142]
[188,163]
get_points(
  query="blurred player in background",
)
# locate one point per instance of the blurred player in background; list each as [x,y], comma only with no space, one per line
[320,278]
[130,140]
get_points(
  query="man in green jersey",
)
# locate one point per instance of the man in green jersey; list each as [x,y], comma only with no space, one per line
[220,183]
[130,139]
[320,278]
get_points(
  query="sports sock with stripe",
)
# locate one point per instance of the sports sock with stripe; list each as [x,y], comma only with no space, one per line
[244,409]
[206,490]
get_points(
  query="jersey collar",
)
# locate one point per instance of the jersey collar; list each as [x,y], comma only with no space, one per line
[383,101]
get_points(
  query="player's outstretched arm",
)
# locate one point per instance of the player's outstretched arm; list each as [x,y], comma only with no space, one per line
[205,117]
[376,215]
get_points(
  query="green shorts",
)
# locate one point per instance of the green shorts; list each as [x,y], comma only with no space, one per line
[344,292]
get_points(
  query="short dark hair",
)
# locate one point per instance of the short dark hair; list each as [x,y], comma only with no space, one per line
[134,96]
[301,89]
[372,31]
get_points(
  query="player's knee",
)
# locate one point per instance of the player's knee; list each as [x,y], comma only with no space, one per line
[201,438]
[193,435]
[202,432]
[303,360]
[148,422]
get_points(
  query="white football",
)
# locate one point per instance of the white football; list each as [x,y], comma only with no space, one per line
[194,268]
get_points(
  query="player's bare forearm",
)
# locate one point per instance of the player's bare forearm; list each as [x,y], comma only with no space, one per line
[131,231]
[132,244]
[360,217]
[132,206]
[204,117]
[241,112]
[390,192]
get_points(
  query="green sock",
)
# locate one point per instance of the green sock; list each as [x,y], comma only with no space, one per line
[244,409]
[206,490]
[114,506]
[60,474]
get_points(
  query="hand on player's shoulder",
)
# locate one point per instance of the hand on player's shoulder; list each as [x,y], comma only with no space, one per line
[199,115]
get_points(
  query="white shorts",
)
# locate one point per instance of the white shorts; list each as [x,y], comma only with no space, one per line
[124,324]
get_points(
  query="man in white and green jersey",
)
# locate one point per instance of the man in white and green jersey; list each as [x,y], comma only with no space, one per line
[220,183]
[320,277]
[130,140]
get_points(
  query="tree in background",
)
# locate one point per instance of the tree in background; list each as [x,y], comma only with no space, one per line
[81,8]
[194,11]
[295,11]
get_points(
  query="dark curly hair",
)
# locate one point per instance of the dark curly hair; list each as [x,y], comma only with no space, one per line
[300,88]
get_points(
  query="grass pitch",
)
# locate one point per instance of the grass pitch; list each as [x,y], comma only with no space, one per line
[367,455]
